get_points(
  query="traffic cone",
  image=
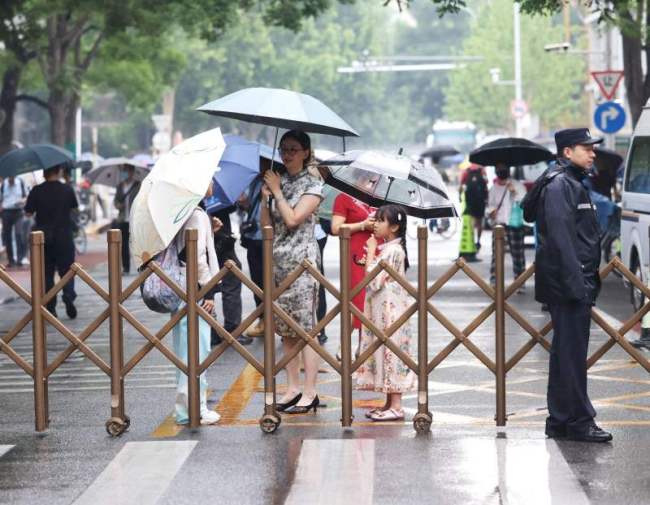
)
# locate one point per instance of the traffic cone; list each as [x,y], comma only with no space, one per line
[467,243]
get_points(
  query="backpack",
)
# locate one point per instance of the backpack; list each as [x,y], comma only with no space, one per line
[531,201]
[475,187]
[157,295]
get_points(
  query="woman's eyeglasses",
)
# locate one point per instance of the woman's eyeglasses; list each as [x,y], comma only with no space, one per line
[289,150]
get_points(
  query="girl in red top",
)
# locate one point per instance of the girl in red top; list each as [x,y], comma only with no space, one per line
[360,216]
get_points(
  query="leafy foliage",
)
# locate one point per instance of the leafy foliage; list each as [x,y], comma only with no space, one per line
[552,83]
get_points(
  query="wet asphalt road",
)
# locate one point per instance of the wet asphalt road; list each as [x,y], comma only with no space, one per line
[311,459]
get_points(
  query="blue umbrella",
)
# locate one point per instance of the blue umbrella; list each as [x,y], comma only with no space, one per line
[239,166]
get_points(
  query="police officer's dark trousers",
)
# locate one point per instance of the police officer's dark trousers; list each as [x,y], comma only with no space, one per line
[59,257]
[569,406]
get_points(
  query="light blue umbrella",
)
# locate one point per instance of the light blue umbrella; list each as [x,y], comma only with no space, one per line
[238,167]
[281,108]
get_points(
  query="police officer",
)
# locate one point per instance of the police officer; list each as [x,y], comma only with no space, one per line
[53,202]
[567,262]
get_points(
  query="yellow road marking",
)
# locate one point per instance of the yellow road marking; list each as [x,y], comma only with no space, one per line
[230,407]
[238,395]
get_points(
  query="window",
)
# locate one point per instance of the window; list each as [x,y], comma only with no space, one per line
[637,179]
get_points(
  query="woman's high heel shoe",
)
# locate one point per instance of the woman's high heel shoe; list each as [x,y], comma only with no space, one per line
[303,409]
[281,407]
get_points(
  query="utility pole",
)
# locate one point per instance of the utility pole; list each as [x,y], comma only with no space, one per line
[519,94]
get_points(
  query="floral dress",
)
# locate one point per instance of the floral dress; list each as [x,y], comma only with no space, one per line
[290,248]
[386,301]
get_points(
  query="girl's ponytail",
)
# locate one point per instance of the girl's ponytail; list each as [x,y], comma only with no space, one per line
[401,218]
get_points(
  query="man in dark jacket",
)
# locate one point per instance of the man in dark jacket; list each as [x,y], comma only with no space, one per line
[567,262]
[52,203]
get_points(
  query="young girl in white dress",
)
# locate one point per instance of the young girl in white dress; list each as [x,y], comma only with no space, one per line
[386,301]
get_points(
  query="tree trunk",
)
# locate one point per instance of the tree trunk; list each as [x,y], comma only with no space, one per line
[73,101]
[10,81]
[56,106]
[634,76]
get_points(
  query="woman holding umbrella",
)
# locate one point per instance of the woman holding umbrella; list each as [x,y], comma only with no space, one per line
[296,197]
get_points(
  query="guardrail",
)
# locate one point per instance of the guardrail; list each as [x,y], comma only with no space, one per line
[116,312]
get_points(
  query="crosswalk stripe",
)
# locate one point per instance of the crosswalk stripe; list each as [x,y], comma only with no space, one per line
[139,474]
[530,472]
[4,449]
[334,472]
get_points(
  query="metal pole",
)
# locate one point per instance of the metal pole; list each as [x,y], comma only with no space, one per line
[38,331]
[422,420]
[518,83]
[115,323]
[269,330]
[346,327]
[193,380]
[499,315]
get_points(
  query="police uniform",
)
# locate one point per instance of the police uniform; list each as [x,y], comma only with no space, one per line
[567,262]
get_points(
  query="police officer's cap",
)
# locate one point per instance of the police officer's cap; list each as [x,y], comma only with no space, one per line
[573,137]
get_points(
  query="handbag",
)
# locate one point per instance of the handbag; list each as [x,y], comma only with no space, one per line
[516,216]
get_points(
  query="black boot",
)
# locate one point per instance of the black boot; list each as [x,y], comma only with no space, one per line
[643,341]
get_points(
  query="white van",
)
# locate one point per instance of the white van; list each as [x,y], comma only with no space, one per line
[635,216]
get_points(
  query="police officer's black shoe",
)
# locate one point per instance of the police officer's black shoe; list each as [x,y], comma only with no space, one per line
[555,431]
[644,341]
[592,433]
[322,338]
[70,309]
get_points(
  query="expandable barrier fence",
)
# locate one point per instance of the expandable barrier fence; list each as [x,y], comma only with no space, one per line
[116,312]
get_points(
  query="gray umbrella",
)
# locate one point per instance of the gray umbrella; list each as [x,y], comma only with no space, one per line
[108,172]
[281,108]
[377,178]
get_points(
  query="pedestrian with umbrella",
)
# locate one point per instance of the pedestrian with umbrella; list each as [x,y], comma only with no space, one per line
[296,196]
[168,204]
[238,167]
[51,203]
[504,199]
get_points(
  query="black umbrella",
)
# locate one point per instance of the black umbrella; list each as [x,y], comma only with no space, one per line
[377,178]
[607,160]
[511,151]
[33,158]
[439,151]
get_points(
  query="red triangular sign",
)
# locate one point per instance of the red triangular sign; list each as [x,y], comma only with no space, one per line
[608,81]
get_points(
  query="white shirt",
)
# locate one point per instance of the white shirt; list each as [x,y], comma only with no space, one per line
[208,264]
[13,196]
[495,195]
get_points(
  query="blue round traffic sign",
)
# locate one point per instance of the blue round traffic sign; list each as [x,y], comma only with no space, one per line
[609,117]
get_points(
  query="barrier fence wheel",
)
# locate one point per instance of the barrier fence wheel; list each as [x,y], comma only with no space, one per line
[127,422]
[422,422]
[116,426]
[269,423]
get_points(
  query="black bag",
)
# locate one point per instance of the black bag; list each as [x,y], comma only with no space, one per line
[531,200]
[475,188]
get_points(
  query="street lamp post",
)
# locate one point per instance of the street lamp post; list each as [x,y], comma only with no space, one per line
[517,82]
[519,94]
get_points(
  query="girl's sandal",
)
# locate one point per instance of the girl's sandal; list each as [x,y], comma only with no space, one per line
[388,415]
[371,412]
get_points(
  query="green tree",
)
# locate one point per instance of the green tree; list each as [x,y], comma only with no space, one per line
[65,37]
[552,85]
